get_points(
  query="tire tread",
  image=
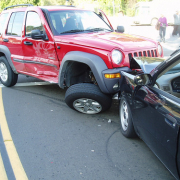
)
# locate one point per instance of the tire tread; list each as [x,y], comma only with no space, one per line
[12,77]
[87,90]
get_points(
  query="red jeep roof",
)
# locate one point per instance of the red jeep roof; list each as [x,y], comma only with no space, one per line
[54,8]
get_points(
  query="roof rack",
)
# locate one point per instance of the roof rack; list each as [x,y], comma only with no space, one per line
[67,5]
[17,6]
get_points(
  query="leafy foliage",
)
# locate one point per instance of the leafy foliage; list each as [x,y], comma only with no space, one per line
[6,3]
[110,7]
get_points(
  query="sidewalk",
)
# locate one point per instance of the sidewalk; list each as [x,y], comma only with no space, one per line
[171,44]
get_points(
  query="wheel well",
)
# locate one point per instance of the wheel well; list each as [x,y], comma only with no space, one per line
[2,54]
[77,72]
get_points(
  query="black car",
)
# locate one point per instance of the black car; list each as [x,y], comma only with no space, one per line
[150,106]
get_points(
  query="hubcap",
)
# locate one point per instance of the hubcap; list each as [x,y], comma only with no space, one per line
[87,106]
[3,72]
[124,115]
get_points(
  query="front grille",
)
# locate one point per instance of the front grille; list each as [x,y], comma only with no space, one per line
[135,54]
[152,53]
[130,56]
[148,53]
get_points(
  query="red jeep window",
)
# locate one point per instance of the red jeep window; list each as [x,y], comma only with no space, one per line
[15,24]
[33,22]
[3,19]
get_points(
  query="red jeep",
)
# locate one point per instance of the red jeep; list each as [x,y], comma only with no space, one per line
[75,48]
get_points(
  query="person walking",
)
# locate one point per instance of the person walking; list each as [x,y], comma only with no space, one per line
[163,24]
[176,29]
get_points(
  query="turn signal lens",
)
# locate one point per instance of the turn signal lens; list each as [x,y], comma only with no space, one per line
[111,76]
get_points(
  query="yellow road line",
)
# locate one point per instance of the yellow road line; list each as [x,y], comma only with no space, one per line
[10,147]
[2,169]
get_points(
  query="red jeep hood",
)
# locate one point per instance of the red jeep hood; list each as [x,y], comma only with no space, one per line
[108,41]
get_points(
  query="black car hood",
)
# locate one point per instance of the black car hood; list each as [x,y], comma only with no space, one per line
[147,64]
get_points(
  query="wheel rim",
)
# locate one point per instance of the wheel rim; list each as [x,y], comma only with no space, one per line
[87,106]
[3,72]
[124,115]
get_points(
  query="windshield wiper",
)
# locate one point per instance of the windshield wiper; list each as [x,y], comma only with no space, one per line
[98,29]
[81,30]
[73,31]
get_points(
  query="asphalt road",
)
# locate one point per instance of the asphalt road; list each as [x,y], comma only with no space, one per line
[55,142]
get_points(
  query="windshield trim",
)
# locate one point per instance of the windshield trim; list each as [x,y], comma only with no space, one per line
[104,21]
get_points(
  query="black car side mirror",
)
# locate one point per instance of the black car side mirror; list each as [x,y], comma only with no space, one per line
[142,79]
[137,80]
[120,29]
[36,34]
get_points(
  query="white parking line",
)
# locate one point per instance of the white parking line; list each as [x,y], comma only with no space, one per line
[31,84]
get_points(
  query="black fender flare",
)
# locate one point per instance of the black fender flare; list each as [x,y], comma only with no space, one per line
[96,64]
[5,50]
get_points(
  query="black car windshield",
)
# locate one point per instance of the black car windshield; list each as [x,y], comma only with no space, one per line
[175,69]
[76,21]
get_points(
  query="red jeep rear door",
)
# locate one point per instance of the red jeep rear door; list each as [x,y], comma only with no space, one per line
[12,39]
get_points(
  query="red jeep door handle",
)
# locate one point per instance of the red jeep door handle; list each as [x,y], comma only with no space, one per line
[28,43]
[5,40]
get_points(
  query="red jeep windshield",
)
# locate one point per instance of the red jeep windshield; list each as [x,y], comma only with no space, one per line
[76,21]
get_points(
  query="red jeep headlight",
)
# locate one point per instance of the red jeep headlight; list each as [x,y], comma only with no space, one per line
[116,56]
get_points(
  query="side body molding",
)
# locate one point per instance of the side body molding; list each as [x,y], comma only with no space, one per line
[96,64]
[5,50]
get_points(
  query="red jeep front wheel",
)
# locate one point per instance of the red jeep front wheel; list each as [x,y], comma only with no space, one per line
[87,98]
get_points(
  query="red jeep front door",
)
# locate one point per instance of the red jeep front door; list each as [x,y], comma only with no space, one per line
[39,55]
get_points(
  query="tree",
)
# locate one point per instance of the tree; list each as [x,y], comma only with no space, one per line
[6,3]
[127,6]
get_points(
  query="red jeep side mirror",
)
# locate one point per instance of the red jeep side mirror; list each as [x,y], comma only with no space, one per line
[36,34]
[120,29]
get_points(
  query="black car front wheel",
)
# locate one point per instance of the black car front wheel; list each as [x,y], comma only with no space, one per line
[87,98]
[126,124]
[7,76]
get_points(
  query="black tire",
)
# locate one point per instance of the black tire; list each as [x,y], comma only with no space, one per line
[7,76]
[126,124]
[87,98]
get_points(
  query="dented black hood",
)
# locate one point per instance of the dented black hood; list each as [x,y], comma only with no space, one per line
[147,64]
